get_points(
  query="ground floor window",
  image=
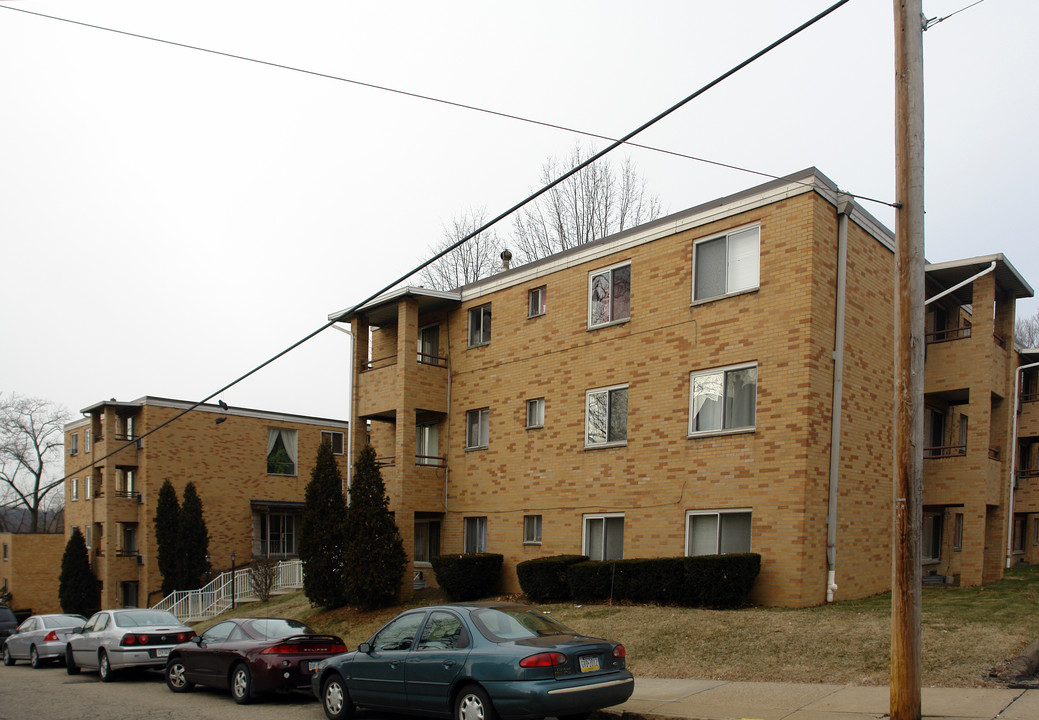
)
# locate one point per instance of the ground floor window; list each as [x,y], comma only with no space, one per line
[532,529]
[931,547]
[957,532]
[475,534]
[427,539]
[1020,523]
[275,533]
[603,537]
[718,532]
[129,592]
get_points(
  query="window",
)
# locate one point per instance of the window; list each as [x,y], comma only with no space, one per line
[532,529]
[726,265]
[477,428]
[536,301]
[130,482]
[536,413]
[87,489]
[5,552]
[427,539]
[278,534]
[480,325]
[281,451]
[609,295]
[475,534]
[723,399]
[129,540]
[957,532]
[718,532]
[934,432]
[86,440]
[336,440]
[931,545]
[603,537]
[429,344]
[606,416]
[74,444]
[427,444]
[88,535]
[1035,531]
[74,488]
[443,631]
[399,634]
[1020,522]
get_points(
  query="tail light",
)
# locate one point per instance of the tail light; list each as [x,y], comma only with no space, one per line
[295,649]
[184,637]
[546,659]
[619,652]
[128,639]
[51,637]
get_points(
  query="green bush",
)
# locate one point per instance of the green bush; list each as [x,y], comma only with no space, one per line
[722,581]
[544,579]
[468,577]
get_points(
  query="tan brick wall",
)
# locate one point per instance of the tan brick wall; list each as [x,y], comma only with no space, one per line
[30,567]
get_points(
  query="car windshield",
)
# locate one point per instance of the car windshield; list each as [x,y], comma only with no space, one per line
[60,621]
[144,618]
[516,623]
[277,628]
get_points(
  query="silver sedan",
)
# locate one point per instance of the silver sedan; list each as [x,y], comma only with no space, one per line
[40,639]
[115,639]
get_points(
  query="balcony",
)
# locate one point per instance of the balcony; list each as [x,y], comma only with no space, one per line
[424,377]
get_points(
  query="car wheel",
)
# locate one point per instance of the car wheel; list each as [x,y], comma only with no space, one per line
[176,679]
[241,684]
[34,658]
[473,704]
[70,662]
[335,699]
[104,667]
[8,658]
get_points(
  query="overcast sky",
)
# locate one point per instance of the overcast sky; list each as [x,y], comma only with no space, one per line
[171,218]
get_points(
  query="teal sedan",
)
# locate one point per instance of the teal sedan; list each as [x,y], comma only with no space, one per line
[476,661]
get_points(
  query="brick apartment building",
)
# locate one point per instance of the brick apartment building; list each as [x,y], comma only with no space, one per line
[29,565]
[250,468]
[719,380]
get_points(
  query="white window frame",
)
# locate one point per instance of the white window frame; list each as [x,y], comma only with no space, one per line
[957,532]
[532,529]
[332,438]
[608,271]
[484,431]
[480,542]
[724,372]
[483,332]
[426,525]
[729,291]
[74,444]
[537,301]
[535,413]
[585,550]
[433,332]
[717,540]
[587,416]
[86,440]
[74,489]
[87,494]
[88,533]
[427,443]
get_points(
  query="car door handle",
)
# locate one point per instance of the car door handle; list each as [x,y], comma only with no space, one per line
[395,664]
[449,663]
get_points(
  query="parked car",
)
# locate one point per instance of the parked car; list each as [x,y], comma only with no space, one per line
[40,639]
[115,639]
[476,661]
[8,622]
[250,656]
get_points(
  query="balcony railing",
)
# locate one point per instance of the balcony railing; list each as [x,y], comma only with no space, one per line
[1029,397]
[125,494]
[382,362]
[386,461]
[944,451]
[431,461]
[122,552]
[994,453]
[436,360]
[1000,340]
[948,335]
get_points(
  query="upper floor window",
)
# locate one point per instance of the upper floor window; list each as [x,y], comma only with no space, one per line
[477,428]
[74,488]
[606,416]
[536,413]
[335,438]
[281,451]
[718,532]
[723,399]
[480,325]
[727,264]
[536,298]
[86,440]
[429,345]
[609,295]
[475,540]
[74,444]
[427,444]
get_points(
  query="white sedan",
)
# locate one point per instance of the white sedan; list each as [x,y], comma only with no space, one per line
[115,639]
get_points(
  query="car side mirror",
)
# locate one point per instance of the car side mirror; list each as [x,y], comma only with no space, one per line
[197,639]
[364,648]
[78,630]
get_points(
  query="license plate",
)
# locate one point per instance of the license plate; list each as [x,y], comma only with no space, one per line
[162,652]
[589,663]
[312,665]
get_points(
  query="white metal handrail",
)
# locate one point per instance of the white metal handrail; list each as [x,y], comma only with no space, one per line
[215,597]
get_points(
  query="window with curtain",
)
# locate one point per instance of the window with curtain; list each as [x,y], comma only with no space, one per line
[429,345]
[609,295]
[603,537]
[606,416]
[718,532]
[475,535]
[281,451]
[532,529]
[427,444]
[727,264]
[723,399]
[480,325]
[536,413]
[427,539]
[477,428]
[536,301]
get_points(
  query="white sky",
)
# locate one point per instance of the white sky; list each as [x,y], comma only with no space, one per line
[170,218]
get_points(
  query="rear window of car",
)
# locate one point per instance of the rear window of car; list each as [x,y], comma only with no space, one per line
[60,621]
[516,623]
[277,628]
[144,618]
[6,615]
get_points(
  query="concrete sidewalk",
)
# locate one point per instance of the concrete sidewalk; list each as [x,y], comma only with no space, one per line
[718,700]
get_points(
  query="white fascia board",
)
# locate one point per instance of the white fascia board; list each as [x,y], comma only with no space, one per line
[244,412]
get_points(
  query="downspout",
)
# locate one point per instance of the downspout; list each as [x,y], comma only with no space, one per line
[1013,460]
[844,209]
[957,286]
[350,415]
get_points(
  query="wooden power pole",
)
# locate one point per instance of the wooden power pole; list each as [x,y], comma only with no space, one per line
[909,361]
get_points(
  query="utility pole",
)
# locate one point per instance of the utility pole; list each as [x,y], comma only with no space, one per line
[909,361]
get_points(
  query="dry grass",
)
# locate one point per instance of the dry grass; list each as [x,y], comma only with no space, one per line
[967,634]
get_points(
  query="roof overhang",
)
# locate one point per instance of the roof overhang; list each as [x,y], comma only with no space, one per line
[949,274]
[383,309]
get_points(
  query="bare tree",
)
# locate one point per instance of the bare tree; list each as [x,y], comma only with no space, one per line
[600,200]
[263,572]
[473,260]
[1026,331]
[31,438]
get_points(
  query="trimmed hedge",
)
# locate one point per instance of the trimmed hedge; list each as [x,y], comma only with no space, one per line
[468,577]
[544,579]
[721,581]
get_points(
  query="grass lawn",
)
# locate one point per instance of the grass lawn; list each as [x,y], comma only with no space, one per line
[968,633]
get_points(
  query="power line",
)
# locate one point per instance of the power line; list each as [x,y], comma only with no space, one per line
[928,24]
[428,98]
[530,198]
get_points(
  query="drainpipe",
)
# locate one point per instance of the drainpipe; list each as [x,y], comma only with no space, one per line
[844,209]
[957,286]
[1013,460]
[350,415]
